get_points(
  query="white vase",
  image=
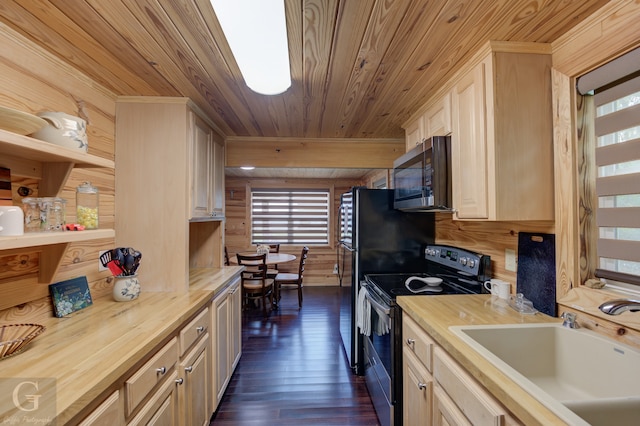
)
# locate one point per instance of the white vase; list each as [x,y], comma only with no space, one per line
[126,288]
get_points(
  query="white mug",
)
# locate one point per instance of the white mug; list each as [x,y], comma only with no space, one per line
[11,221]
[499,288]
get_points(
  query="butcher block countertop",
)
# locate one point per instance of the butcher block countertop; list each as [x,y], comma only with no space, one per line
[87,352]
[437,313]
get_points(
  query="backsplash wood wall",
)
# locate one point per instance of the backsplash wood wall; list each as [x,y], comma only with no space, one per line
[33,81]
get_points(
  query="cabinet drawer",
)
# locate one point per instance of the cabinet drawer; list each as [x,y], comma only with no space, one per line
[192,331]
[154,371]
[418,341]
[471,398]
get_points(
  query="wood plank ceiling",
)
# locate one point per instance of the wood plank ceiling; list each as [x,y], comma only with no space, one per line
[359,68]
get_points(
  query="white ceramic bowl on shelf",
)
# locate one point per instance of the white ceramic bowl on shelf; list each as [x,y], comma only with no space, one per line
[64,130]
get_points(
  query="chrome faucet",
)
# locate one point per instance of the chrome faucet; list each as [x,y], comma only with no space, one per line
[569,320]
[618,306]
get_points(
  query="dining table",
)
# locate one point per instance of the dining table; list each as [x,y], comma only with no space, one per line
[272,258]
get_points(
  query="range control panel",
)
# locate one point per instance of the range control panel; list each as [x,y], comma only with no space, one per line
[471,263]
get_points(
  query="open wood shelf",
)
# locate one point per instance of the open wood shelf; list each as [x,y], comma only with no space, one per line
[52,245]
[55,162]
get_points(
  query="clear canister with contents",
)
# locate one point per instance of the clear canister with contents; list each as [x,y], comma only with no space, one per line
[87,205]
[32,220]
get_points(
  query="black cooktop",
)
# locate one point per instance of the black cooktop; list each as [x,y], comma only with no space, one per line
[460,271]
[396,284]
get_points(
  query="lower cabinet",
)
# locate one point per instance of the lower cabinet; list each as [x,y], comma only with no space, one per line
[182,381]
[438,391]
[226,330]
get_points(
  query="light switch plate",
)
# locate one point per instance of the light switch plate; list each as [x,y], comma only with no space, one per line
[510,260]
[100,267]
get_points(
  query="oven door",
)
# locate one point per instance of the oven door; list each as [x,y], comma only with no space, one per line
[379,358]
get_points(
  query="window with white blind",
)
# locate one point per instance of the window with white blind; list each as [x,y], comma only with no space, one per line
[290,216]
[617,161]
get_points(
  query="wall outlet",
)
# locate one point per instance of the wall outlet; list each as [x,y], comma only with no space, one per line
[335,268]
[100,267]
[510,260]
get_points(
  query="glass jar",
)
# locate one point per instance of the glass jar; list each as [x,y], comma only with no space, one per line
[32,221]
[52,214]
[87,205]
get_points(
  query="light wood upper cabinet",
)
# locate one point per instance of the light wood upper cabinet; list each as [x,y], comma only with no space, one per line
[207,171]
[435,121]
[164,174]
[502,140]
[201,166]
[217,191]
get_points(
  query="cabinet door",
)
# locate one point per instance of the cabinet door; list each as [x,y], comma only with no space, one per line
[195,389]
[417,385]
[445,411]
[109,413]
[414,134]
[201,154]
[162,408]
[217,173]
[437,119]
[235,317]
[469,156]
[220,351]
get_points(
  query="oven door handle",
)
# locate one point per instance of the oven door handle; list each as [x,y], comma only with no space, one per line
[377,305]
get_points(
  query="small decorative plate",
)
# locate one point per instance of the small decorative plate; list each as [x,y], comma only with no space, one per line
[20,122]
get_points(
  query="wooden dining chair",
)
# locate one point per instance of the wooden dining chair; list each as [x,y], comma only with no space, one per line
[255,283]
[226,257]
[273,269]
[291,279]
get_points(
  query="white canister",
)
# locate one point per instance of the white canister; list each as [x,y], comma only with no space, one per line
[64,130]
[126,288]
[11,221]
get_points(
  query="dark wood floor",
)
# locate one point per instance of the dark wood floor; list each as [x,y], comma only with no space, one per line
[293,369]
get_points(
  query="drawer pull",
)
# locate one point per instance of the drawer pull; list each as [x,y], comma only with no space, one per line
[411,341]
[189,369]
[161,370]
[180,381]
[200,329]
[422,386]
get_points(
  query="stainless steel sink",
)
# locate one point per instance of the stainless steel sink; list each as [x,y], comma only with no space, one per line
[583,377]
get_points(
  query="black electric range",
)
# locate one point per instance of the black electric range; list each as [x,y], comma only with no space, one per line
[448,270]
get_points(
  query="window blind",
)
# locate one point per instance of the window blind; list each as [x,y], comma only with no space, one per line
[299,217]
[617,156]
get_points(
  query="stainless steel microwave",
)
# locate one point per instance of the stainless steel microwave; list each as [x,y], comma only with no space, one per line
[422,177]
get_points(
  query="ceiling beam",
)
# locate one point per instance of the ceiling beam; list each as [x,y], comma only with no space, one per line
[313,152]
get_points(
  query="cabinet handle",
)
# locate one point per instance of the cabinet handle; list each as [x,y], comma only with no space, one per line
[200,329]
[422,386]
[161,370]
[410,341]
[180,381]
[189,369]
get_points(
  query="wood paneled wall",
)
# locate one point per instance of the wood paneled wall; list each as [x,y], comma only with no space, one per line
[33,81]
[319,267]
